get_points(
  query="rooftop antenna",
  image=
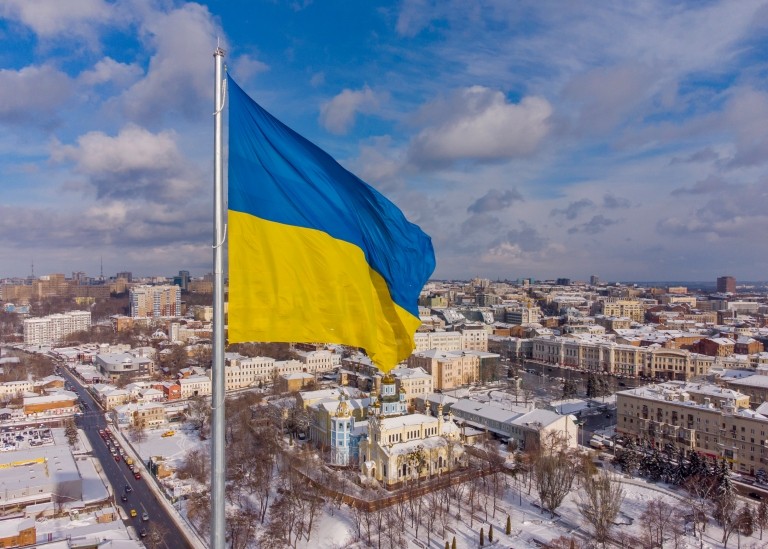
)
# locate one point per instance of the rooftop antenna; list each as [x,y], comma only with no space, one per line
[101,267]
[33,267]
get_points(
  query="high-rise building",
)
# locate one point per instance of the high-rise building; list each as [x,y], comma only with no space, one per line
[182,280]
[726,284]
[594,280]
[155,301]
[127,275]
[54,328]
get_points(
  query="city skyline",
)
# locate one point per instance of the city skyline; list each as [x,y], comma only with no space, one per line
[526,141]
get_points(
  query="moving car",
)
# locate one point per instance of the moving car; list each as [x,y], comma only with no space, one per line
[145,516]
[143,532]
[123,498]
[128,488]
[133,512]
[137,476]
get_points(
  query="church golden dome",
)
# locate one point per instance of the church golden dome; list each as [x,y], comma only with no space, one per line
[343,409]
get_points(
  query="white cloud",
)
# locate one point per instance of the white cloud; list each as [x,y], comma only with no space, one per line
[34,93]
[133,164]
[338,114]
[246,67]
[414,16]
[179,77]
[480,124]
[109,71]
[54,18]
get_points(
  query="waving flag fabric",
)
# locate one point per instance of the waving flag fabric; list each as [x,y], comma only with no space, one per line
[315,253]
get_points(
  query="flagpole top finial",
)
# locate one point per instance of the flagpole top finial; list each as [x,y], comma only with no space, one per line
[219,52]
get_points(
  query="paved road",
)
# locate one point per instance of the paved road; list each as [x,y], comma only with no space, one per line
[141,498]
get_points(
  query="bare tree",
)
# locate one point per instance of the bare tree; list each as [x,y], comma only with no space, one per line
[601,500]
[727,514]
[554,470]
[199,511]
[240,525]
[199,414]
[656,520]
[195,465]
[701,490]
[433,510]
[137,433]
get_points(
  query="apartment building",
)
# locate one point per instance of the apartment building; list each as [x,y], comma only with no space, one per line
[52,329]
[414,382]
[155,301]
[449,369]
[711,420]
[464,340]
[631,308]
[601,355]
[317,362]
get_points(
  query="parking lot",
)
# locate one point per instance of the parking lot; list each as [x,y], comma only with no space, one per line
[24,437]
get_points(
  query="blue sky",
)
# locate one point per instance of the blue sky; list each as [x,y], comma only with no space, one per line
[528,138]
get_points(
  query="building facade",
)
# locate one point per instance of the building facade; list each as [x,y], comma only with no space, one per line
[693,417]
[55,328]
[155,301]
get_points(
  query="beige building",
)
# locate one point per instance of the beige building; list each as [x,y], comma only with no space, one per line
[290,383]
[148,415]
[406,448]
[317,362]
[601,355]
[465,340]
[449,369]
[708,419]
[193,386]
[631,308]
[415,382]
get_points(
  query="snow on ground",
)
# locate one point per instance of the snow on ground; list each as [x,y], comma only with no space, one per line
[173,449]
[93,486]
[86,527]
[529,524]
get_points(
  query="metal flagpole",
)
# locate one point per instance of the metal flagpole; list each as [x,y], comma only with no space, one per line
[217,404]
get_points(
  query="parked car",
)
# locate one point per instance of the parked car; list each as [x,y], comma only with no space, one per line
[128,488]
[145,516]
[133,512]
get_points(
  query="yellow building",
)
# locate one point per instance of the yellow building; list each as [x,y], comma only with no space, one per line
[631,308]
[449,369]
[711,420]
[404,448]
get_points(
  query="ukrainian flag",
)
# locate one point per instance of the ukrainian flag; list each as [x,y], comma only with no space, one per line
[315,253]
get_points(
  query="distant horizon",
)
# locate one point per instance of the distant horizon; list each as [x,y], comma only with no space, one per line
[654,283]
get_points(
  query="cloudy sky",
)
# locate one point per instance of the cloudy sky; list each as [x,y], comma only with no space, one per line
[528,138]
